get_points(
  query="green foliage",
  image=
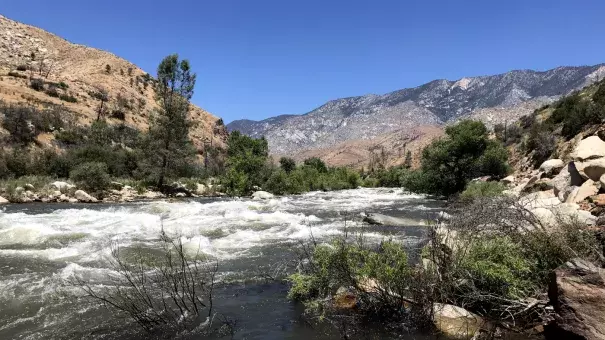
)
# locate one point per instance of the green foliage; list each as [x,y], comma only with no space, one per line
[22,68]
[18,122]
[91,176]
[480,189]
[449,163]
[246,158]
[68,98]
[107,69]
[287,164]
[391,177]
[63,85]
[52,92]
[576,112]
[167,147]
[316,163]
[498,266]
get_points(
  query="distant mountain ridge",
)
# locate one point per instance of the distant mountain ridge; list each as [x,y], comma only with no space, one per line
[491,99]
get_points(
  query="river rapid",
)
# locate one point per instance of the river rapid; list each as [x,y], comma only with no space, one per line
[42,245]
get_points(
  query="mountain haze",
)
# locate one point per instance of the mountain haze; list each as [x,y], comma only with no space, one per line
[491,99]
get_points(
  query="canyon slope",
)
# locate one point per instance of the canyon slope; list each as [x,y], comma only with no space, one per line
[345,131]
[81,72]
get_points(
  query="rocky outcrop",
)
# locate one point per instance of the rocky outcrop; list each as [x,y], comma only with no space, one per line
[591,169]
[577,293]
[587,189]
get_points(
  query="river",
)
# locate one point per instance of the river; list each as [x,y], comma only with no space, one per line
[42,245]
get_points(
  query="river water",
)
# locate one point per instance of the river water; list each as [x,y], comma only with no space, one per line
[42,245]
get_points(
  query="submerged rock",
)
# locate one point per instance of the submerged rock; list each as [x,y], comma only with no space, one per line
[262,195]
[456,322]
[380,219]
[577,292]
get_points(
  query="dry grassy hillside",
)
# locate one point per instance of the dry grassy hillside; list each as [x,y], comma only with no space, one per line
[79,72]
[393,145]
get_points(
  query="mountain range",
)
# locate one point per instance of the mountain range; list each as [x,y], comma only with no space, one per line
[356,121]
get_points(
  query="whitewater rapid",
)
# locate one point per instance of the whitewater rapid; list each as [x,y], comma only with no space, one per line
[40,246]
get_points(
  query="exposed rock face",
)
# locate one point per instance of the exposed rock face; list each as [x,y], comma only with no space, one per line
[439,102]
[577,292]
[587,189]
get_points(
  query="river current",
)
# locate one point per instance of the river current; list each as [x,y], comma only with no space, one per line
[42,245]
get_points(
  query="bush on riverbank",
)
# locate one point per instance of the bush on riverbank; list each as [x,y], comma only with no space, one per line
[491,257]
[448,164]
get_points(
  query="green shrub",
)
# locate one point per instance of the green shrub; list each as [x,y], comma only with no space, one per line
[63,85]
[16,75]
[37,84]
[479,189]
[316,163]
[497,266]
[22,68]
[91,176]
[287,164]
[18,121]
[52,92]
[68,98]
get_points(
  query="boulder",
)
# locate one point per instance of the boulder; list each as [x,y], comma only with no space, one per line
[455,322]
[598,200]
[568,177]
[380,219]
[345,298]
[180,195]
[589,188]
[552,167]
[262,195]
[508,180]
[592,168]
[59,185]
[82,196]
[29,187]
[3,200]
[63,198]
[201,189]
[589,148]
[151,194]
[539,199]
[577,292]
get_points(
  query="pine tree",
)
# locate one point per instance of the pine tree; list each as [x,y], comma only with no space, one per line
[168,147]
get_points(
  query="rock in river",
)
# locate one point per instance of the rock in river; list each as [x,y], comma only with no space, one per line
[380,219]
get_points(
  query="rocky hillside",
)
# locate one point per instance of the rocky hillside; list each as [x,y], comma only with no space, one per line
[74,75]
[491,99]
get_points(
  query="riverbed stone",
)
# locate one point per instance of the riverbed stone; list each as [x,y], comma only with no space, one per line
[83,196]
[552,166]
[28,186]
[456,322]
[262,195]
[3,200]
[381,219]
[589,148]
[577,293]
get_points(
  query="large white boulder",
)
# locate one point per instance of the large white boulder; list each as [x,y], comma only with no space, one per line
[578,194]
[589,148]
[3,200]
[565,180]
[592,168]
[83,196]
[262,195]
[552,166]
[59,185]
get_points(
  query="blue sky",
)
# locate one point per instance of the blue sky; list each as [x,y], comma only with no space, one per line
[261,58]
